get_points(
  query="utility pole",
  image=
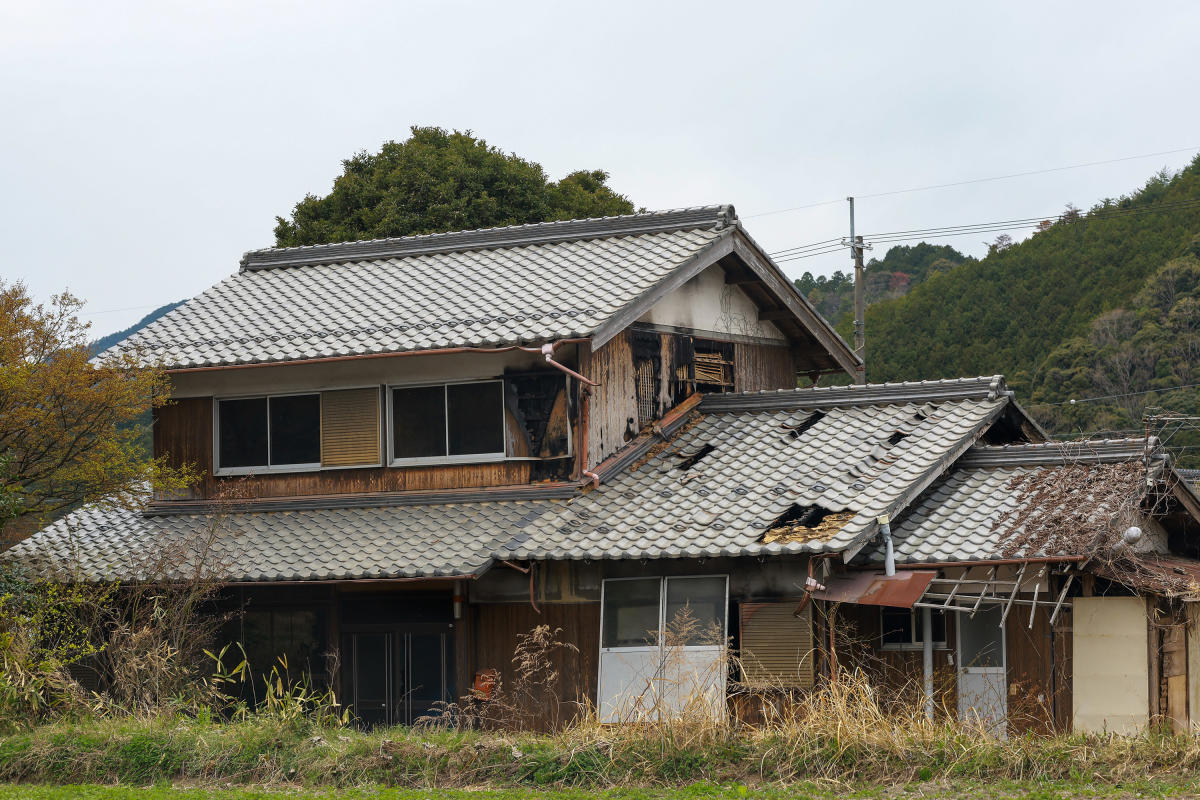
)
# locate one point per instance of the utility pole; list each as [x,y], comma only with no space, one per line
[860,304]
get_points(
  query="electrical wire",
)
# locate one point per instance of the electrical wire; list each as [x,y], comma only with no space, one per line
[948,231]
[975,180]
[1075,401]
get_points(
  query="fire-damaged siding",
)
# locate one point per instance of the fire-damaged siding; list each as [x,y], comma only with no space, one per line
[643,373]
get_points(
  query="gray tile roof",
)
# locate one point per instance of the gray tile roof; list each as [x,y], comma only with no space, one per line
[102,543]
[975,511]
[874,449]
[487,288]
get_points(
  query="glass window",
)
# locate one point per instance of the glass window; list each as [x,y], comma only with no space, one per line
[902,627]
[457,419]
[419,422]
[242,432]
[631,612]
[269,432]
[703,621]
[295,424]
[475,418]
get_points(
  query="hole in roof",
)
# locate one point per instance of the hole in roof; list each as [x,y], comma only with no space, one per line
[686,462]
[806,523]
[796,431]
[807,516]
[896,438]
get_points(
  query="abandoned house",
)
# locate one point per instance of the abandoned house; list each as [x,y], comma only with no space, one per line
[412,450]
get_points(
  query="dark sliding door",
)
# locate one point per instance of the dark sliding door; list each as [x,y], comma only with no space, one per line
[397,677]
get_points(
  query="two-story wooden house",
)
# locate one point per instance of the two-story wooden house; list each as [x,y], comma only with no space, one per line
[414,449]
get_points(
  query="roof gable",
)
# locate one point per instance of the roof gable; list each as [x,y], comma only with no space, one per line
[500,287]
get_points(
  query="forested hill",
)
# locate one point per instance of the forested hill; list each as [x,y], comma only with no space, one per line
[105,342]
[1096,304]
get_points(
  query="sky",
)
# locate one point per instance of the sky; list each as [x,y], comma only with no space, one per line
[145,146]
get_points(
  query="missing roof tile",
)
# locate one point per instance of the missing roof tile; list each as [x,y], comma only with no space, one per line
[687,461]
[806,523]
[896,438]
[796,431]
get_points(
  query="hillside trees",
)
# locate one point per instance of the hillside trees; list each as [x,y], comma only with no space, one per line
[1135,359]
[438,181]
[1007,312]
[68,432]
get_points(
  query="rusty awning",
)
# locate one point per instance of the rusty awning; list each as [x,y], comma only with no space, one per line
[874,588]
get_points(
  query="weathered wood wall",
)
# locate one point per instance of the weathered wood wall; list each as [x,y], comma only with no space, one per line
[492,637]
[760,367]
[612,406]
[1039,671]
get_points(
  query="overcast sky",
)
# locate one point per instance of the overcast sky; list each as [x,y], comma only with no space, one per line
[145,146]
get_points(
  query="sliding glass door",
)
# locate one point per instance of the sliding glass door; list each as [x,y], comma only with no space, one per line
[662,647]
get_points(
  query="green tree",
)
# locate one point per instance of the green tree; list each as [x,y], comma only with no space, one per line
[438,181]
[68,426]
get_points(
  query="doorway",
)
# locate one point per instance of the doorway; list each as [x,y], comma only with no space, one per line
[982,670]
[396,677]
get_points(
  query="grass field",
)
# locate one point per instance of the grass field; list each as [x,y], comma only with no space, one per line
[699,791]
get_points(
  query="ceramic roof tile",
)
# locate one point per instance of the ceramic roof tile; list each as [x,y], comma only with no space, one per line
[761,465]
[974,511]
[105,543]
[495,287]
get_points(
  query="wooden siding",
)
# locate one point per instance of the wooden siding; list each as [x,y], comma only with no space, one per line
[1029,652]
[613,405]
[184,432]
[492,633]
[760,367]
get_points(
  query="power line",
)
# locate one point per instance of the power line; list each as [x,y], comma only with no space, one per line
[948,231]
[976,180]
[1075,401]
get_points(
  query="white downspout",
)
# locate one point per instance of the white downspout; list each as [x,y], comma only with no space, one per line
[889,557]
[927,658]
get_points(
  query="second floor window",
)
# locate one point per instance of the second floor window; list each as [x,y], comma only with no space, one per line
[298,432]
[451,422]
[279,431]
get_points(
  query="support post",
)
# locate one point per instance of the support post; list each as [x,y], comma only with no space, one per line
[927,658]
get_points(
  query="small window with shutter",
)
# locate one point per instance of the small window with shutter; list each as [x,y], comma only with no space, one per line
[350,435]
[777,645]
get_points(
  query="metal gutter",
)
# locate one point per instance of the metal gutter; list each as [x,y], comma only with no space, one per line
[360,357]
[489,238]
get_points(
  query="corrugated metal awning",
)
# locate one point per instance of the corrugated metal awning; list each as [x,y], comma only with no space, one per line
[874,588]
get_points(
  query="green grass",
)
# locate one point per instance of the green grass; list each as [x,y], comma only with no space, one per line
[701,791]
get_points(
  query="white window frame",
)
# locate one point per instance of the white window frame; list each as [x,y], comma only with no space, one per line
[267,470]
[662,613]
[470,458]
[915,644]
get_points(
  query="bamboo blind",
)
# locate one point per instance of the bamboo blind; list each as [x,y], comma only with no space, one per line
[350,428]
[777,646]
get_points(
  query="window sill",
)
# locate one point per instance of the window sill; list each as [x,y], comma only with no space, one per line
[482,458]
[228,472]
